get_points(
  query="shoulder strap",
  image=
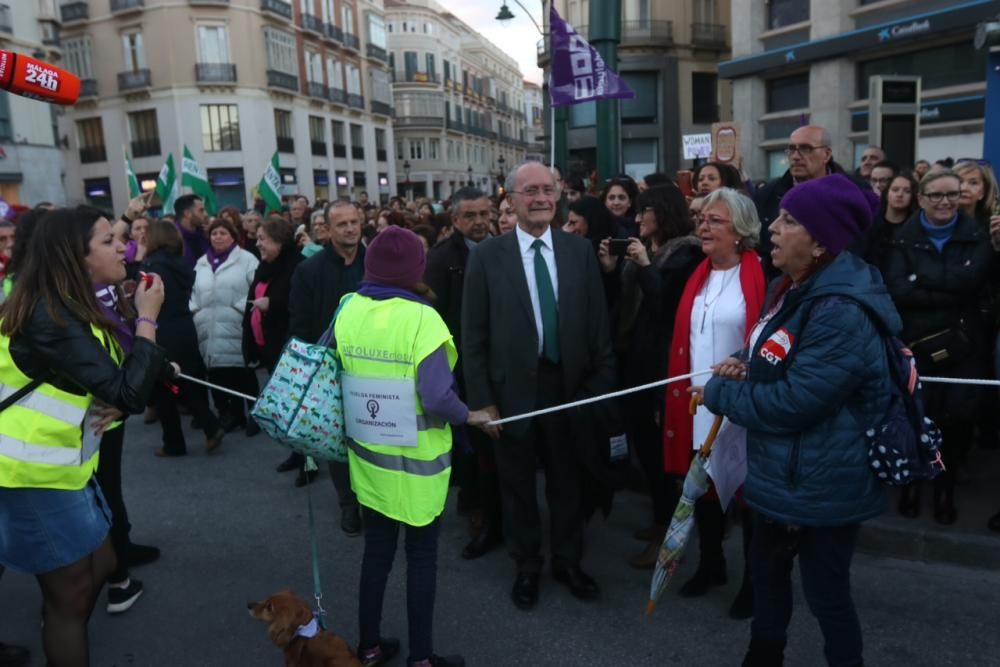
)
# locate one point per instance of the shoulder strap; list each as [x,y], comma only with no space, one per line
[21,393]
[328,334]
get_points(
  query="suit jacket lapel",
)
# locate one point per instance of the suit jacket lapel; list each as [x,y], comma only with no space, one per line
[515,269]
[563,271]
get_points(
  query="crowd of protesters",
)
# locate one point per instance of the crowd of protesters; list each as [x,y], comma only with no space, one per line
[619,283]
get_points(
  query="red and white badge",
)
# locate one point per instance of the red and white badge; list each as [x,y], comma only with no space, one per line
[775,349]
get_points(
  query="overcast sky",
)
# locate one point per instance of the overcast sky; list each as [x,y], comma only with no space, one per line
[518,37]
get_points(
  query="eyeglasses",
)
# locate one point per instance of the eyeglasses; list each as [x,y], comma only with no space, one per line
[548,191]
[936,197]
[802,149]
[714,220]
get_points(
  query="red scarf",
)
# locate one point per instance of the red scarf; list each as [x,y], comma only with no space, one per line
[678,426]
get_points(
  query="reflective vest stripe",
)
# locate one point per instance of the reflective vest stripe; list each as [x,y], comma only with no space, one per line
[26,452]
[395,463]
[47,405]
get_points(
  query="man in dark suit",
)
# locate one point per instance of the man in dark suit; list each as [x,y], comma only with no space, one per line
[318,284]
[535,334]
[473,467]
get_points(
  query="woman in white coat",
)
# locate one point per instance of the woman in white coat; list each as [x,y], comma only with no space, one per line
[222,282]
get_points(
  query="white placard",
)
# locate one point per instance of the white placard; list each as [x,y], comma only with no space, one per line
[380,411]
[697,146]
[727,465]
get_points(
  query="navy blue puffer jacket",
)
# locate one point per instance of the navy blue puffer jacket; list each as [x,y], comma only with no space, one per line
[818,379]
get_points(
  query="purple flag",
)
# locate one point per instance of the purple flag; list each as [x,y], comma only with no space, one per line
[578,72]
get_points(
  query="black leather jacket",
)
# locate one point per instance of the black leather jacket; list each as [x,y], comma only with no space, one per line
[81,365]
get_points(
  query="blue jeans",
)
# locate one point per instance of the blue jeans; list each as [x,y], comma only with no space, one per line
[381,535]
[825,564]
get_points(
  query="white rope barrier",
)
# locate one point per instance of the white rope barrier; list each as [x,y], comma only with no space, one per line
[614,394]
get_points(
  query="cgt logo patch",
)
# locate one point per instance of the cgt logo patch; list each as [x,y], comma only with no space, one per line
[775,349]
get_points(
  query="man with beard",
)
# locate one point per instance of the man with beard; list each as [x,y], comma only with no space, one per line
[318,284]
[474,464]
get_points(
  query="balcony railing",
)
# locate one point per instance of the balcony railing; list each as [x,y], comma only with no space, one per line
[658,33]
[88,87]
[278,79]
[74,11]
[708,35]
[286,145]
[52,40]
[118,6]
[351,41]
[277,7]
[333,33]
[456,125]
[93,154]
[215,72]
[339,150]
[318,148]
[317,90]
[381,108]
[378,53]
[336,95]
[145,148]
[313,23]
[208,2]
[134,80]
[418,121]
[358,152]
[355,100]
[420,77]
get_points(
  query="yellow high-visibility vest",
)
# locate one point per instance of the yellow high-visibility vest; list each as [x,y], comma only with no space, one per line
[45,440]
[388,339]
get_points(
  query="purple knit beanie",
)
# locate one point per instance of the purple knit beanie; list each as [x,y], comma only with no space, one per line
[833,209]
[396,258]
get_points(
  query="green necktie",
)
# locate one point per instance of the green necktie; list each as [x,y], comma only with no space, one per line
[547,304]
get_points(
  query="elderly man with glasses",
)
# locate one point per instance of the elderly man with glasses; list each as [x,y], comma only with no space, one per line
[810,156]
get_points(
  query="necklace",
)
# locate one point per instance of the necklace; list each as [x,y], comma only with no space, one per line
[711,302]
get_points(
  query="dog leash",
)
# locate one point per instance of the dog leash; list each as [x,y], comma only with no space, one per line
[310,466]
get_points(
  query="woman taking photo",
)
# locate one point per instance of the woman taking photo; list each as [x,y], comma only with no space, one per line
[619,197]
[720,303]
[939,263]
[222,281]
[389,318]
[815,379]
[56,341]
[897,204]
[265,321]
[178,335]
[657,266]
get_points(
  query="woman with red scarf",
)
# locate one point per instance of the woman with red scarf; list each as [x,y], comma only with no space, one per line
[720,304]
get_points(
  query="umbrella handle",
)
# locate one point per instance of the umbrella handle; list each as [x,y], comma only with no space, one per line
[706,448]
[693,404]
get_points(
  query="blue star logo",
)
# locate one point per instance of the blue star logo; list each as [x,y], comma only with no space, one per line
[884,35]
[790,57]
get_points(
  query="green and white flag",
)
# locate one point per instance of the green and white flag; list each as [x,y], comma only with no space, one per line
[193,177]
[167,185]
[269,187]
[133,183]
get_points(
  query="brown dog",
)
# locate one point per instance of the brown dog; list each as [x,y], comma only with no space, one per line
[285,613]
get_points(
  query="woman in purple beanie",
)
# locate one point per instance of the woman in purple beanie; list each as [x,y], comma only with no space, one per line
[389,336]
[811,381]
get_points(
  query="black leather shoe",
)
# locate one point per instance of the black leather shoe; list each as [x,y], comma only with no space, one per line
[525,591]
[483,544]
[289,464]
[304,477]
[14,656]
[142,554]
[580,584]
[705,577]
[350,520]
[385,651]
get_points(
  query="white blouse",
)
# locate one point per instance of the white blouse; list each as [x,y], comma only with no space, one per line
[718,327]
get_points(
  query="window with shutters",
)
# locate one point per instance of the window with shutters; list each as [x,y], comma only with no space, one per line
[79,57]
[90,134]
[144,132]
[220,127]
[280,48]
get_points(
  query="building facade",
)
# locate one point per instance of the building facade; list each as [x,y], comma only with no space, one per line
[798,60]
[668,54]
[458,102]
[31,161]
[234,81]
[534,115]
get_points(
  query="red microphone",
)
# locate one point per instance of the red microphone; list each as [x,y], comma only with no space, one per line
[30,77]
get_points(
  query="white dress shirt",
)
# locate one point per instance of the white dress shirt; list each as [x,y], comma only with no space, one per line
[524,240]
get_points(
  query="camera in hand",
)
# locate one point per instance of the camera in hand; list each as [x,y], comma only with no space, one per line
[619,247]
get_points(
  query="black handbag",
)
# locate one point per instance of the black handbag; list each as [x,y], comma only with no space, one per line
[941,348]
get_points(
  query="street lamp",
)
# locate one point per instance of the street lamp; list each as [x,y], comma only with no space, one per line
[406,174]
[469,170]
[500,164]
[506,15]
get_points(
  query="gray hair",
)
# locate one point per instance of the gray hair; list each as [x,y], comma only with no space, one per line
[742,212]
[936,176]
[510,183]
